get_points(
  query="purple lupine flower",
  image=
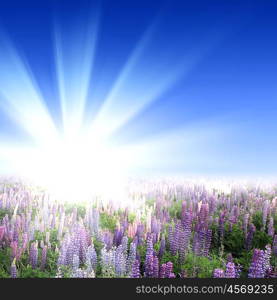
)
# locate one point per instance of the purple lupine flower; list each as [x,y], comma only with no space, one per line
[212,203]
[208,240]
[139,234]
[76,241]
[219,273]
[155,267]
[2,232]
[236,212]
[124,244]
[107,239]
[14,247]
[34,254]
[230,270]
[195,243]
[270,230]
[221,223]
[83,244]
[162,248]
[78,273]
[265,212]
[199,241]
[24,241]
[120,262]
[183,211]
[135,269]
[135,240]
[245,224]
[169,269]
[131,257]
[92,219]
[124,223]
[138,256]
[155,229]
[53,221]
[170,235]
[43,257]
[203,213]
[250,235]
[174,246]
[31,232]
[149,257]
[266,262]
[182,246]
[95,220]
[61,225]
[69,253]
[62,259]
[149,267]
[75,263]
[238,270]
[118,235]
[273,273]
[47,238]
[91,258]
[107,262]
[185,235]
[13,270]
[256,269]
[16,232]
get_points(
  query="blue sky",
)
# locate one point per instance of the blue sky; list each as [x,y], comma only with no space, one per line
[192,83]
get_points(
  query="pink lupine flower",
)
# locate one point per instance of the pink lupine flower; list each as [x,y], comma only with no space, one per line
[14,247]
[2,232]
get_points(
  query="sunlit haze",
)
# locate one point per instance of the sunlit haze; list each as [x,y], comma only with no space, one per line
[89,99]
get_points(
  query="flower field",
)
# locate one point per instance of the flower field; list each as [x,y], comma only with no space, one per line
[169,230]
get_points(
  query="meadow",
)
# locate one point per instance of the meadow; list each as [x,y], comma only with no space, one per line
[168,229]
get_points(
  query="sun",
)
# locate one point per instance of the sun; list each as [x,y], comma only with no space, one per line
[74,168]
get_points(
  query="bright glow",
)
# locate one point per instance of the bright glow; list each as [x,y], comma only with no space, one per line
[80,161]
[72,169]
